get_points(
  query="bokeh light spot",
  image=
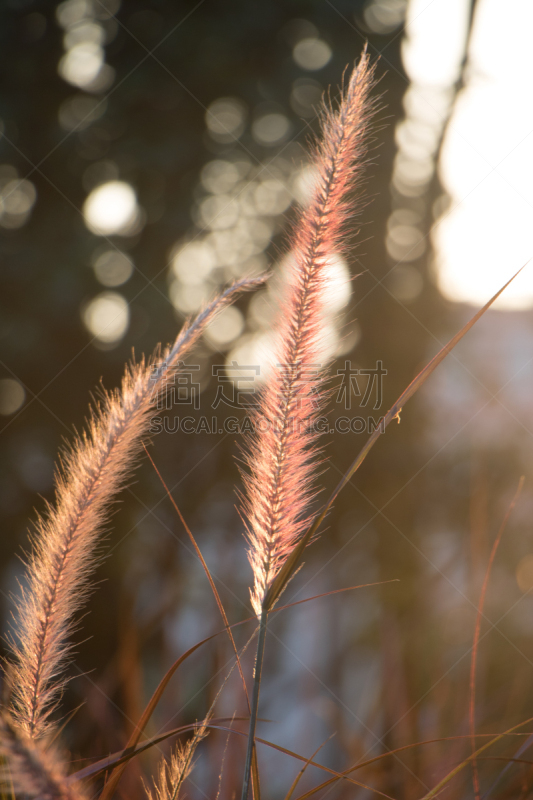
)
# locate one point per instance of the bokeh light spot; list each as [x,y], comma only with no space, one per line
[405,243]
[81,64]
[84,32]
[107,317]
[405,283]
[262,309]
[111,208]
[219,176]
[272,197]
[225,328]
[338,287]
[411,176]
[225,119]
[189,298]
[71,12]
[433,47]
[304,184]
[218,212]
[486,163]
[113,268]
[311,54]
[193,262]
[384,16]
[17,198]
[12,396]
[271,129]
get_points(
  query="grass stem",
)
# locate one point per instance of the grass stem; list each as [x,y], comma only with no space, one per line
[255,702]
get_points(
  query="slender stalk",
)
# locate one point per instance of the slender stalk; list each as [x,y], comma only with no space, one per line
[255,702]
[477,632]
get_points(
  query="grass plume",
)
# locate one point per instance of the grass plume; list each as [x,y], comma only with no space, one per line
[93,470]
[281,459]
[173,772]
[32,771]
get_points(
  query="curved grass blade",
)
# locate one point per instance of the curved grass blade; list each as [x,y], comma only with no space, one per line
[111,784]
[120,761]
[477,632]
[521,750]
[121,756]
[509,759]
[255,773]
[208,575]
[124,756]
[333,591]
[441,784]
[404,747]
[312,763]
[297,779]
[291,563]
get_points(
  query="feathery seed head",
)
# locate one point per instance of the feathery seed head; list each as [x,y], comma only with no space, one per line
[173,773]
[93,470]
[282,457]
[32,769]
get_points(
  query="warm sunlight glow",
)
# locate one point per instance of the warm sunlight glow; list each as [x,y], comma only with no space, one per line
[486,234]
[434,40]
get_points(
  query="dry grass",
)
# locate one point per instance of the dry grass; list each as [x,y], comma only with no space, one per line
[173,773]
[279,486]
[64,549]
[283,458]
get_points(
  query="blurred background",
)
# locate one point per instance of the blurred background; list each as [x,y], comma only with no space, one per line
[151,152]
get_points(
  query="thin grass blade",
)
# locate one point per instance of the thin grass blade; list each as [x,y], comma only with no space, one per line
[208,574]
[397,750]
[286,572]
[477,632]
[299,776]
[104,764]
[444,782]
[333,591]
[111,784]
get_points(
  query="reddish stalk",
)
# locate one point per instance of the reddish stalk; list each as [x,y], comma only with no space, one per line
[477,632]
